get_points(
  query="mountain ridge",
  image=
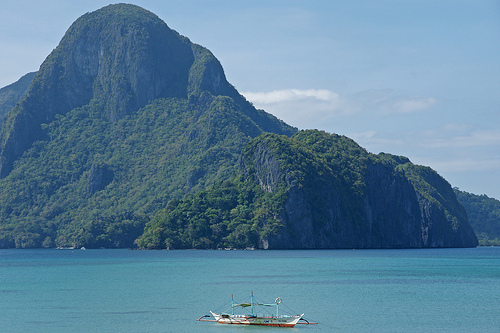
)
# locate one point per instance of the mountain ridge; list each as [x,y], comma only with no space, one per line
[11,94]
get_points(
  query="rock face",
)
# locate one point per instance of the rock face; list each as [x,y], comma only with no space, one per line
[380,205]
[100,176]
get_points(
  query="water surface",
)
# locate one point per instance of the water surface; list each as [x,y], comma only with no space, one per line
[431,290]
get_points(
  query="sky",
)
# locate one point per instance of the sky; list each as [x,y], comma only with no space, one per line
[417,78]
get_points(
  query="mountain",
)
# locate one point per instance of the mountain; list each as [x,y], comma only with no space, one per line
[131,132]
[10,95]
[124,115]
[316,190]
[484,216]
[116,59]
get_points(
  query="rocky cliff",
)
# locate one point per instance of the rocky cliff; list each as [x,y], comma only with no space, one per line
[353,199]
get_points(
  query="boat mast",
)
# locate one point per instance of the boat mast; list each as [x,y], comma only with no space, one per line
[232,304]
[251,302]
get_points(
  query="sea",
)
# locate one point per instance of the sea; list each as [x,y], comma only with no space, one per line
[414,290]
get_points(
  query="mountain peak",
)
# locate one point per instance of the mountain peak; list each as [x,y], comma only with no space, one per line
[124,55]
[118,59]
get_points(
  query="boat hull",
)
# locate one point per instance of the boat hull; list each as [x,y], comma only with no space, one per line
[285,321]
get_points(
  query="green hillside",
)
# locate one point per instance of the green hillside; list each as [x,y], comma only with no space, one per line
[315,190]
[165,150]
[91,175]
[484,216]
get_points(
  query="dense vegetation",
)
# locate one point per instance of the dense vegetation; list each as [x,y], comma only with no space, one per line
[167,149]
[231,214]
[484,216]
[239,213]
[248,208]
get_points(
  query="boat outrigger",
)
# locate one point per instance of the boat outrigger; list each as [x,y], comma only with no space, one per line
[278,320]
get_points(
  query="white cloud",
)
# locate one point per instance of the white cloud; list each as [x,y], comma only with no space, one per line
[368,135]
[450,148]
[386,102]
[409,105]
[464,164]
[307,108]
[291,95]
[476,138]
[312,107]
[376,142]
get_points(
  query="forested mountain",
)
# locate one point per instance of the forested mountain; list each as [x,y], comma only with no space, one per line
[316,190]
[484,216]
[128,124]
[124,115]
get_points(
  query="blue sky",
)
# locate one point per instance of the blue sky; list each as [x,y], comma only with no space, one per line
[417,78]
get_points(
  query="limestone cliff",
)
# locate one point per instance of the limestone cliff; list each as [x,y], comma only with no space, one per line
[340,196]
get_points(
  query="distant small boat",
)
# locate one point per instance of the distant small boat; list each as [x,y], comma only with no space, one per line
[278,320]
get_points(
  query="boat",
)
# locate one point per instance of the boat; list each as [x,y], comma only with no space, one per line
[277,320]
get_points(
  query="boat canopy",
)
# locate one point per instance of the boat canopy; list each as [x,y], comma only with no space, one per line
[246,305]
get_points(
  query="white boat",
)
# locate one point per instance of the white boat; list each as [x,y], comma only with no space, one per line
[278,320]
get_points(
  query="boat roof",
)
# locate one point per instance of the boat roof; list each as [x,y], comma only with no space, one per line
[245,305]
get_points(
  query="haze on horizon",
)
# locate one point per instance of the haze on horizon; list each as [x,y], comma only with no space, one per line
[417,78]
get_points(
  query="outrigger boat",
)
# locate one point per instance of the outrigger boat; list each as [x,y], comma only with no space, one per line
[278,320]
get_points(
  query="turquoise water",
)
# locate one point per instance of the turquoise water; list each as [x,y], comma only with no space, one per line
[432,290]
